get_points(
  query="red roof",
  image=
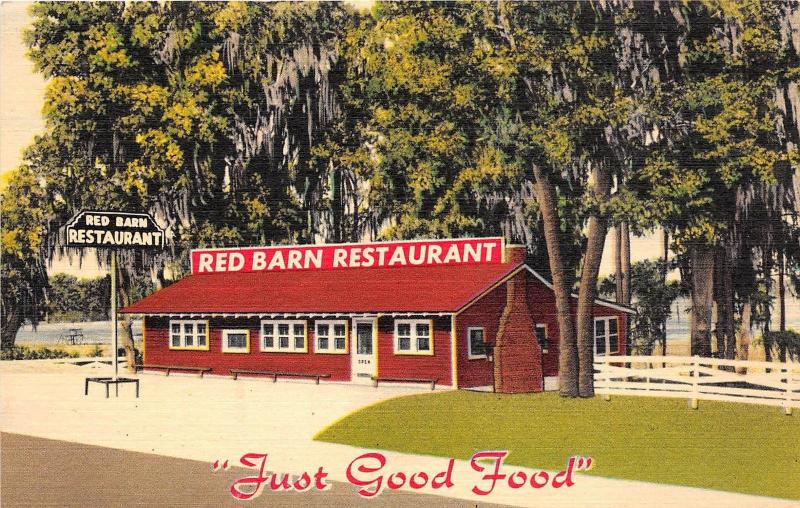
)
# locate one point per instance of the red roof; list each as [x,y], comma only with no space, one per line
[348,290]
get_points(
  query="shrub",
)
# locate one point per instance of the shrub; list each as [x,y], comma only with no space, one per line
[27,353]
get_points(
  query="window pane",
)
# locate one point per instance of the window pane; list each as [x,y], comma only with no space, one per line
[189,340]
[364,338]
[201,340]
[299,329]
[600,345]
[176,328]
[300,342]
[612,326]
[283,329]
[476,345]
[404,329]
[339,330]
[322,343]
[322,330]
[541,336]
[613,343]
[423,344]
[188,328]
[237,340]
[268,328]
[340,343]
[201,328]
[404,344]
[176,341]
[423,329]
[599,328]
[283,342]
[269,342]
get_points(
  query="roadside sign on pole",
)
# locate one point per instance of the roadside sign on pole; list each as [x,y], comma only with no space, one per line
[107,229]
[104,229]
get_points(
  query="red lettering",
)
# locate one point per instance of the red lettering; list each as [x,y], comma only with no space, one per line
[498,457]
[565,477]
[418,480]
[396,480]
[283,484]
[445,478]
[515,484]
[535,484]
[376,483]
[319,480]
[303,483]
[257,482]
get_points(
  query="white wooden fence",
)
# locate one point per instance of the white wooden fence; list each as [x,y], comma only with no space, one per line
[693,377]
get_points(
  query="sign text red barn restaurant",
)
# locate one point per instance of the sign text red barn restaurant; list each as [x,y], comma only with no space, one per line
[460,313]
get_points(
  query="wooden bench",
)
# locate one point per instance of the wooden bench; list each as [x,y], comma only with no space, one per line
[376,380]
[236,372]
[168,368]
[316,377]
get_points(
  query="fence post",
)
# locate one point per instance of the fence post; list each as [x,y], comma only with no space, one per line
[695,375]
[787,409]
[608,378]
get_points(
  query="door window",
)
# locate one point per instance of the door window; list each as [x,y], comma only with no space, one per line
[364,338]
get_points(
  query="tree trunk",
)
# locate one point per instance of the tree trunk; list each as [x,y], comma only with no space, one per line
[767,267]
[618,263]
[626,278]
[664,273]
[782,303]
[587,293]
[568,348]
[12,321]
[702,265]
[743,346]
[723,294]
[626,263]
[124,299]
[728,295]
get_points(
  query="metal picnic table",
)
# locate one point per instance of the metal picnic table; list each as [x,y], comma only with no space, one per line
[110,381]
[73,337]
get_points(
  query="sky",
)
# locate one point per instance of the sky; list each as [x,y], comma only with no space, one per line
[22,96]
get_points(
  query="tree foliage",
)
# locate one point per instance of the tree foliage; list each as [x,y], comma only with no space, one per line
[24,210]
[545,122]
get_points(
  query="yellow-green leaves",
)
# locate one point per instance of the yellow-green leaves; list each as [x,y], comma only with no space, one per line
[207,71]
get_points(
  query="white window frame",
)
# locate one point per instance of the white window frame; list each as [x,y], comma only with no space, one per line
[331,349]
[472,355]
[607,335]
[276,342]
[228,349]
[183,335]
[413,336]
[546,336]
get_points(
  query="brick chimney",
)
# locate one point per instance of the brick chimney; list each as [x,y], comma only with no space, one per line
[515,254]
[517,355]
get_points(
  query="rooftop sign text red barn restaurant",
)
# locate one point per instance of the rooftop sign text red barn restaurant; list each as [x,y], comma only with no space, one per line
[389,254]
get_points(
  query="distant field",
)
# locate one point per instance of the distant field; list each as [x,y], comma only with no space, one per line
[725,446]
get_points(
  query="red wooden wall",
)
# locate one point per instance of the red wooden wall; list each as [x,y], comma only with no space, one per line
[436,366]
[157,351]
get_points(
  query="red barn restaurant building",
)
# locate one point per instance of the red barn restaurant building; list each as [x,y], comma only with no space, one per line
[461,313]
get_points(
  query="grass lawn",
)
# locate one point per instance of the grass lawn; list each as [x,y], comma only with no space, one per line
[725,446]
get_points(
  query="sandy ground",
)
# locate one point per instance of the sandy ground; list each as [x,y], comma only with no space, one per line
[216,418]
